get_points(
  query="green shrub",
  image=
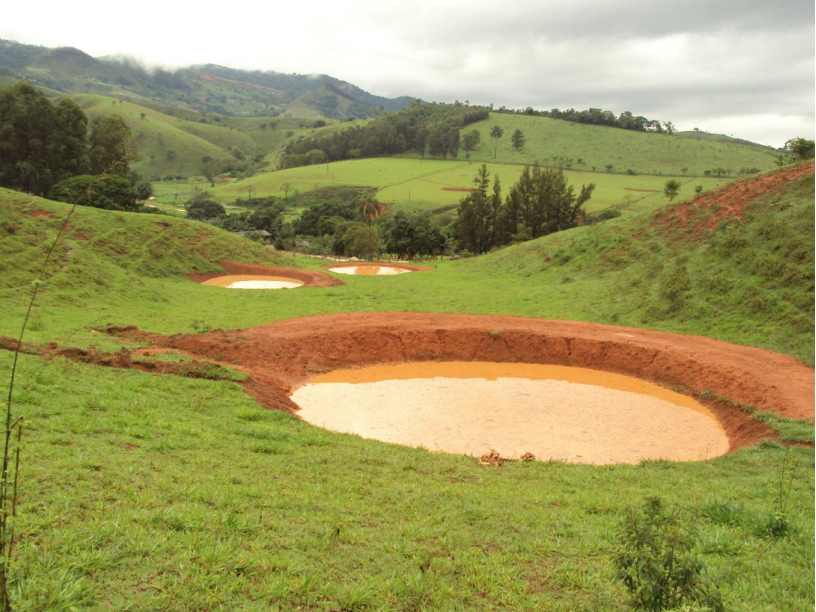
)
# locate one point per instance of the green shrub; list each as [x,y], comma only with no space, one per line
[107,191]
[655,562]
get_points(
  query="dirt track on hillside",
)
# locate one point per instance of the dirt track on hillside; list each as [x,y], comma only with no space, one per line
[281,356]
[309,278]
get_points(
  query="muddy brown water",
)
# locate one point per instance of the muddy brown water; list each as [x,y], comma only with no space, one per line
[555,412]
[369,270]
[253,281]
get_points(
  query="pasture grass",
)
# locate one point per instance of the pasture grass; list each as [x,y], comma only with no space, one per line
[158,492]
[553,141]
[415,184]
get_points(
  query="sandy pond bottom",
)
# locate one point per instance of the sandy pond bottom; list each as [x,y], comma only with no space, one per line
[251,281]
[369,270]
[555,412]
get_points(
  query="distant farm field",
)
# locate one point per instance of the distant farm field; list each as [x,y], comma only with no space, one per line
[415,184]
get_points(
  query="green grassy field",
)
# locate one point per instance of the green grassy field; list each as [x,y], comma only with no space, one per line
[414,184]
[155,492]
[550,141]
[175,144]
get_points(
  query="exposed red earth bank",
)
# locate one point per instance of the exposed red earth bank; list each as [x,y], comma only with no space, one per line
[309,278]
[281,356]
[729,202]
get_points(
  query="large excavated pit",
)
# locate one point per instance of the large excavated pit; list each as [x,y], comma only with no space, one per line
[463,384]
[251,276]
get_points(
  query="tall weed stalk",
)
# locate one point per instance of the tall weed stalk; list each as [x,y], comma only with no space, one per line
[9,478]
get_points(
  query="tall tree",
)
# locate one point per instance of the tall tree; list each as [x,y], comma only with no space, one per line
[802,148]
[671,189]
[471,140]
[495,134]
[370,210]
[111,146]
[31,152]
[479,214]
[517,139]
[73,152]
[542,202]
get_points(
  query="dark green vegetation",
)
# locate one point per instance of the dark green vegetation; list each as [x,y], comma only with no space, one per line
[207,89]
[155,492]
[656,563]
[596,116]
[46,148]
[421,128]
[540,203]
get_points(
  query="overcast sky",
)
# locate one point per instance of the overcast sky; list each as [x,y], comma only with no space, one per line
[740,67]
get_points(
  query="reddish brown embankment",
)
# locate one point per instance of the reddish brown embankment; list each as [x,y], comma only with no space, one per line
[730,201]
[281,356]
[309,278]
[377,264]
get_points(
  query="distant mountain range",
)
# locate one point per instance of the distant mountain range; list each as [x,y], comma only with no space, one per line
[208,88]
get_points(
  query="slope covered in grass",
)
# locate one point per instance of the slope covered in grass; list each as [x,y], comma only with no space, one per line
[155,492]
[174,142]
[553,141]
[735,264]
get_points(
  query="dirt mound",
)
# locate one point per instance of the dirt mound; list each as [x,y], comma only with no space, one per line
[375,264]
[729,202]
[309,278]
[281,356]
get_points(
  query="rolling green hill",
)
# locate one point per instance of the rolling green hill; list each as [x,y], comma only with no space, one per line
[209,501]
[279,520]
[588,147]
[175,145]
[209,88]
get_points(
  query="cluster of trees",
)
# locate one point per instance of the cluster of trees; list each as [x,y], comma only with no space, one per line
[800,150]
[424,128]
[595,116]
[267,216]
[540,203]
[51,150]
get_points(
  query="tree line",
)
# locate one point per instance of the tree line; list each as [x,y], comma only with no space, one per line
[423,128]
[52,150]
[540,203]
[595,116]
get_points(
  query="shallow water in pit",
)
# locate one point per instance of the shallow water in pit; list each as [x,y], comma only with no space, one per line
[369,270]
[555,412]
[253,281]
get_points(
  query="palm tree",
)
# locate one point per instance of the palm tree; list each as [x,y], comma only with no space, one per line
[371,209]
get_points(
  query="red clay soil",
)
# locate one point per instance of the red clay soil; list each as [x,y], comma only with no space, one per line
[281,356]
[309,278]
[468,189]
[729,202]
[123,359]
[376,264]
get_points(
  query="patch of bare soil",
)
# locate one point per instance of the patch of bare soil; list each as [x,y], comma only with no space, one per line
[123,359]
[281,356]
[729,202]
[309,278]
